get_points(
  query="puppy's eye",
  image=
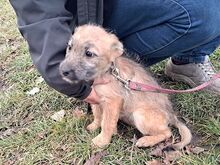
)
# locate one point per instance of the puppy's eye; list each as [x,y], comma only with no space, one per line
[89,54]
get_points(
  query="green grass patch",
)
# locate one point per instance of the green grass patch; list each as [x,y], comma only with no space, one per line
[29,136]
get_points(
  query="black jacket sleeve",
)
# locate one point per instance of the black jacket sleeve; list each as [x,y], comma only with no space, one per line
[46,26]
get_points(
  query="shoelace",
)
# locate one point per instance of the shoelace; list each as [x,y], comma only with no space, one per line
[208,68]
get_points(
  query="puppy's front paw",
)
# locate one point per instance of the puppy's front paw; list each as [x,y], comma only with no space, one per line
[143,142]
[100,141]
[92,127]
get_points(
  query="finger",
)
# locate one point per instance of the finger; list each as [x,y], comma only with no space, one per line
[92,101]
[93,98]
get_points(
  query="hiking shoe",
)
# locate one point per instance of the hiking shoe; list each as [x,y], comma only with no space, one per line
[194,74]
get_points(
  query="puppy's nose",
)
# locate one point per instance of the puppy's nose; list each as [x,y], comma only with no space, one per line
[68,73]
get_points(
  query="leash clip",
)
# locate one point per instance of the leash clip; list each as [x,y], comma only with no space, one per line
[116,74]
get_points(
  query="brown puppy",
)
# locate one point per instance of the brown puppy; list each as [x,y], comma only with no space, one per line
[89,56]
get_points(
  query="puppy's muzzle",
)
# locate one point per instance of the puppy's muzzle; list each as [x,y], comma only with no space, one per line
[68,73]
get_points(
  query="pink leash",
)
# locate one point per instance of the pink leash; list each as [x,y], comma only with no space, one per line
[151,88]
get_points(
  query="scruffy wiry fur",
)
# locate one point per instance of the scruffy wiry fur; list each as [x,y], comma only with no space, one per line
[151,113]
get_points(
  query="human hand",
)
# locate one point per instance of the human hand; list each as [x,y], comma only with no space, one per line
[93,98]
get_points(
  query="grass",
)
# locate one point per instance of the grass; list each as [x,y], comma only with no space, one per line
[29,136]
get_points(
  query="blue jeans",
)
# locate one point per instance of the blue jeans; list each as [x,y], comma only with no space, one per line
[186,30]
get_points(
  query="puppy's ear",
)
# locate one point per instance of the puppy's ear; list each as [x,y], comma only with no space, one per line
[117,49]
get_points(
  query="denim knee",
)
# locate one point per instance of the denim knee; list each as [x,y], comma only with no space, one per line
[205,21]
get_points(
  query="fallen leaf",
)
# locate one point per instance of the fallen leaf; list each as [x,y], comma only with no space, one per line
[158,152]
[7,132]
[95,158]
[42,135]
[58,116]
[197,150]
[39,80]
[171,156]
[153,162]
[78,113]
[33,91]
[188,149]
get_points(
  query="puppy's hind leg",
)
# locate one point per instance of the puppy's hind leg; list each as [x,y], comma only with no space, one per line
[155,129]
[97,113]
[151,140]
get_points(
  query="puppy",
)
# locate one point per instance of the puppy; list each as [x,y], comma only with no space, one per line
[91,55]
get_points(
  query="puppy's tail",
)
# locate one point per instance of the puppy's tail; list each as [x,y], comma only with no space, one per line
[185,134]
